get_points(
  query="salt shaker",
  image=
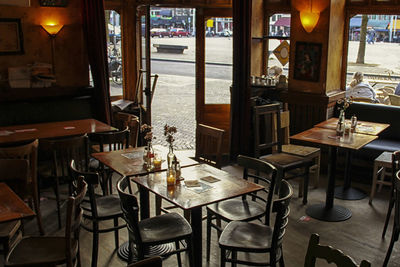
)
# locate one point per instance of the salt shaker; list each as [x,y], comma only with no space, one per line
[353,123]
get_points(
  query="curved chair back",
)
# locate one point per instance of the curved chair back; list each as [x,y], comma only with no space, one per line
[330,254]
[130,209]
[209,145]
[110,141]
[394,100]
[282,210]
[123,120]
[260,171]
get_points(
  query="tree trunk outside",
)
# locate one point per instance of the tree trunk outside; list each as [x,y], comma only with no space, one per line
[363,33]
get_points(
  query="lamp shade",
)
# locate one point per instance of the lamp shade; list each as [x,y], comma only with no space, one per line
[52,29]
[309,20]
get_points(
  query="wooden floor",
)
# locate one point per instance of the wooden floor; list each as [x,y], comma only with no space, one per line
[360,236]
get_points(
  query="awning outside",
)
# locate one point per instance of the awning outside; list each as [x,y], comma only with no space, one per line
[396,25]
[283,21]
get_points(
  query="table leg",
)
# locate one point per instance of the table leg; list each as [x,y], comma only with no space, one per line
[329,212]
[197,229]
[347,192]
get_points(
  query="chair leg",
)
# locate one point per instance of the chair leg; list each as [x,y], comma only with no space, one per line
[189,245]
[36,204]
[395,237]
[95,246]
[234,258]
[57,192]
[316,177]
[374,180]
[389,213]
[178,255]
[223,257]
[281,261]
[306,181]
[208,234]
[218,222]
[116,236]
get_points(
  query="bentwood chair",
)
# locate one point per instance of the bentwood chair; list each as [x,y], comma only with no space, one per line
[15,173]
[123,120]
[395,169]
[330,254]
[109,141]
[269,149]
[62,151]
[209,145]
[49,250]
[161,229]
[155,261]
[258,238]
[396,223]
[97,210]
[246,208]
[29,152]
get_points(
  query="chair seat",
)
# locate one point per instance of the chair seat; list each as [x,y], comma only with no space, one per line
[238,209]
[245,236]
[164,227]
[285,161]
[107,207]
[37,251]
[303,151]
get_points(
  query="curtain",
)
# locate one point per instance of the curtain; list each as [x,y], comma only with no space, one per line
[94,28]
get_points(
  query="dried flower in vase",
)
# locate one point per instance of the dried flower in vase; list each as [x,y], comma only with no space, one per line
[147,132]
[169,132]
[344,103]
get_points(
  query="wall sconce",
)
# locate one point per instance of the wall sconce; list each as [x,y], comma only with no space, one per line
[309,19]
[52,29]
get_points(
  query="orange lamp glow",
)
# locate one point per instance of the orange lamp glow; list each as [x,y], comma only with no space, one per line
[52,29]
[309,20]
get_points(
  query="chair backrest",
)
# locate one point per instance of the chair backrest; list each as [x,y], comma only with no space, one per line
[130,209]
[73,221]
[155,261]
[260,171]
[209,145]
[267,119]
[92,180]
[15,173]
[397,200]
[330,254]
[123,120]
[280,206]
[394,100]
[363,99]
[395,164]
[112,140]
[63,150]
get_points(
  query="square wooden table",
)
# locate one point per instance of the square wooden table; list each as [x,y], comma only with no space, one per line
[11,206]
[25,132]
[193,198]
[323,136]
[363,127]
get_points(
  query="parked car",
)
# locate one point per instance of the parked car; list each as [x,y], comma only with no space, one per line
[226,33]
[159,32]
[179,32]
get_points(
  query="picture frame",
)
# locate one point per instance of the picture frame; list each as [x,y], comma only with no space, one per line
[54,3]
[307,61]
[11,38]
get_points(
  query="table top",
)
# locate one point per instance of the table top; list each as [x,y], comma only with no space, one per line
[363,127]
[11,206]
[228,186]
[25,132]
[328,137]
[129,162]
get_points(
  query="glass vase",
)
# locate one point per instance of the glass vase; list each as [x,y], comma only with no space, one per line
[150,157]
[340,124]
[170,156]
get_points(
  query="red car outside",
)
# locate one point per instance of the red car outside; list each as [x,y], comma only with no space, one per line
[179,32]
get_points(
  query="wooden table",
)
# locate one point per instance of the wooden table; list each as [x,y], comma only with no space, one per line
[363,127]
[187,198]
[322,136]
[18,133]
[11,206]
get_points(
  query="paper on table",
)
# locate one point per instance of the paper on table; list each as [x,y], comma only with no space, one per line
[210,179]
[5,133]
[25,130]
[132,155]
[192,183]
[200,188]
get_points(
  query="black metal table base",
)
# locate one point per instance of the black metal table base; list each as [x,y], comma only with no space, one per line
[160,250]
[335,214]
[349,193]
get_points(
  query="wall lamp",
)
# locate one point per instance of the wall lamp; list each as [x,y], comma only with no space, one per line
[309,19]
[52,29]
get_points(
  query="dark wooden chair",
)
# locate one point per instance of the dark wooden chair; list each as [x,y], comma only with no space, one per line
[15,173]
[330,254]
[266,148]
[258,238]
[395,169]
[29,152]
[62,151]
[98,209]
[396,223]
[162,229]
[209,145]
[246,208]
[109,141]
[123,120]
[52,251]
[150,262]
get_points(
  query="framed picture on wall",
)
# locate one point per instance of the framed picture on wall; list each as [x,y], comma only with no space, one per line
[55,3]
[11,41]
[307,61]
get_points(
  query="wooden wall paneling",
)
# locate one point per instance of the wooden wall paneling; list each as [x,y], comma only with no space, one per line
[257,45]
[218,116]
